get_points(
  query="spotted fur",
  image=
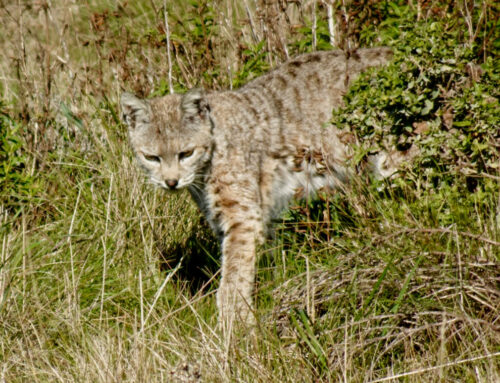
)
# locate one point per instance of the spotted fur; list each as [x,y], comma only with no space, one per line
[244,154]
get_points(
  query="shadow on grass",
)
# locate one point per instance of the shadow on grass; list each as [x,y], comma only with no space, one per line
[201,253]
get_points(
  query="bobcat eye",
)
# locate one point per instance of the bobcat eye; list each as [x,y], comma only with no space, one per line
[186,154]
[151,158]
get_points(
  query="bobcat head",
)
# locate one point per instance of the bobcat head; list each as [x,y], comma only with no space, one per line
[173,154]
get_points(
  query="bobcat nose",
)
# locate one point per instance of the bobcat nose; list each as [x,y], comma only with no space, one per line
[172,183]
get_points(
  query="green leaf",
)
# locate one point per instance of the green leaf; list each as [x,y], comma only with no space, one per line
[428,107]
[462,124]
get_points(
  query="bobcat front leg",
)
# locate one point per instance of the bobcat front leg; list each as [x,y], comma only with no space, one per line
[241,221]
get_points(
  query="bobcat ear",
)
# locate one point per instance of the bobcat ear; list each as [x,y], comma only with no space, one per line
[134,110]
[195,105]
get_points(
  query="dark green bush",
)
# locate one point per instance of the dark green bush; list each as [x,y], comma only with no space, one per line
[435,95]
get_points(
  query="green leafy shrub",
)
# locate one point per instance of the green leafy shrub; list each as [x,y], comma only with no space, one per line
[433,95]
[255,64]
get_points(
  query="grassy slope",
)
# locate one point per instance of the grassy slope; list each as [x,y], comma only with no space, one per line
[376,285]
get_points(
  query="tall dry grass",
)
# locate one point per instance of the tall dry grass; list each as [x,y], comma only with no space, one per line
[91,287]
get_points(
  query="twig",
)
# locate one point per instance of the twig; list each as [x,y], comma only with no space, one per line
[486,175]
[347,42]
[314,26]
[468,20]
[105,248]
[406,230]
[160,290]
[169,58]
[22,70]
[448,231]
[331,25]
[449,364]
[70,235]
[252,25]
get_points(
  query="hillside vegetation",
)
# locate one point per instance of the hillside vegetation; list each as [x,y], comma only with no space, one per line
[104,278]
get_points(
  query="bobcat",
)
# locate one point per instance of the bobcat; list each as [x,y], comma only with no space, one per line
[244,154]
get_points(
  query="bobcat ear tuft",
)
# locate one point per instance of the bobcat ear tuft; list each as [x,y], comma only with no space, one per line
[195,105]
[134,110]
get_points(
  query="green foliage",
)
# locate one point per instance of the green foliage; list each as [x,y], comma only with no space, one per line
[15,184]
[255,64]
[305,42]
[194,35]
[433,95]
[308,340]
